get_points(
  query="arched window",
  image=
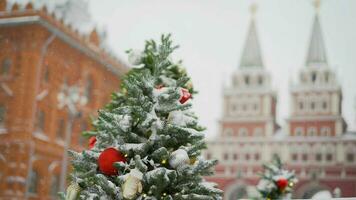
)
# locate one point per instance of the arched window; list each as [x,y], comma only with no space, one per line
[2,115]
[89,88]
[260,80]
[61,129]
[40,121]
[33,182]
[312,131]
[5,66]
[299,131]
[324,105]
[312,105]
[313,77]
[301,106]
[228,132]
[46,74]
[258,132]
[247,80]
[55,185]
[326,77]
[83,127]
[325,131]
[243,132]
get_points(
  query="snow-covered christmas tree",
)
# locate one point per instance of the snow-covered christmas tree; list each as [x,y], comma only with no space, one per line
[146,143]
[276,182]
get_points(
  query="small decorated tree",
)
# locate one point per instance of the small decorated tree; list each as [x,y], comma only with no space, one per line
[276,182]
[146,143]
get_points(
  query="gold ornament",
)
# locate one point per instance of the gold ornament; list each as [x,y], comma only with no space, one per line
[193,160]
[124,91]
[132,185]
[73,191]
[163,162]
[189,85]
[291,184]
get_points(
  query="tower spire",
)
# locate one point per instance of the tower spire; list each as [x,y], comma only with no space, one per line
[251,55]
[316,52]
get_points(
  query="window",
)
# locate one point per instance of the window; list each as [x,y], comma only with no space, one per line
[247,157]
[236,156]
[257,156]
[311,131]
[208,156]
[247,80]
[258,132]
[304,157]
[83,127]
[46,74]
[61,129]
[313,77]
[325,131]
[228,132]
[350,157]
[326,77]
[226,156]
[312,105]
[329,157]
[5,66]
[2,115]
[40,121]
[89,88]
[325,105]
[33,186]
[299,131]
[294,157]
[301,106]
[318,157]
[243,132]
[54,185]
[260,80]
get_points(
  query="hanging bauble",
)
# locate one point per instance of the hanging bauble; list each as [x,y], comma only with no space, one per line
[185,96]
[132,185]
[73,191]
[106,161]
[135,57]
[92,141]
[282,183]
[179,158]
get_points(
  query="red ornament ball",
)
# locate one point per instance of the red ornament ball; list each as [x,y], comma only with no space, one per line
[185,96]
[107,159]
[282,183]
[92,141]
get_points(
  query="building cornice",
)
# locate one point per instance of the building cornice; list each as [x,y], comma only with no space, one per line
[37,17]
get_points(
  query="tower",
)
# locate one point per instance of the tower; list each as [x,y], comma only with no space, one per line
[316,99]
[249,103]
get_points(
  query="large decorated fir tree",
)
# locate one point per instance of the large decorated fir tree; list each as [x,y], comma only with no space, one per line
[146,143]
[276,182]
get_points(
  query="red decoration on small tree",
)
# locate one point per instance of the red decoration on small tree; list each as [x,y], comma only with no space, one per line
[282,183]
[185,96]
[107,159]
[92,141]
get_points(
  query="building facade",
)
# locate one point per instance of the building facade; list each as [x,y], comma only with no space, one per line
[314,143]
[42,52]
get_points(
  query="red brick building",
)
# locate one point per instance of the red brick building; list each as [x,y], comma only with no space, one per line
[41,52]
[314,142]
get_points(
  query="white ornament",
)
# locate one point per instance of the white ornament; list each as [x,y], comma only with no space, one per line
[73,191]
[135,57]
[179,158]
[132,184]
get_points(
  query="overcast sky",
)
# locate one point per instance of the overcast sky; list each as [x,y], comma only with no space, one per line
[212,33]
